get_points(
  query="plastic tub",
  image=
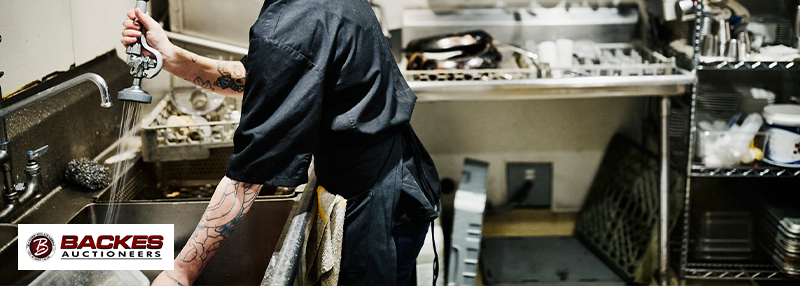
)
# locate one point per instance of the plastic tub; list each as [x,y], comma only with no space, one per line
[714,148]
[783,148]
[725,235]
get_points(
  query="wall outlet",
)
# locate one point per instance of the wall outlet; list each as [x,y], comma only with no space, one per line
[529,184]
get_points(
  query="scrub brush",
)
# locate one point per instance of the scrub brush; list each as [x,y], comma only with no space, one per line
[88,173]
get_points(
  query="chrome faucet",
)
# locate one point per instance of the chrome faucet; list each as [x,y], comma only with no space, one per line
[33,182]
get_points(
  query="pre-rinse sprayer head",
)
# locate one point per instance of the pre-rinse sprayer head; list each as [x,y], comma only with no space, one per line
[141,66]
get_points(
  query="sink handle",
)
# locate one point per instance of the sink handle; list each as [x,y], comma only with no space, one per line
[33,155]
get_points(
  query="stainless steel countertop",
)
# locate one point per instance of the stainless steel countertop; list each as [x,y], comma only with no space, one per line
[564,88]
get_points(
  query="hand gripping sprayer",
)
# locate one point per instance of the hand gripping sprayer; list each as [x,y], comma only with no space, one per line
[141,66]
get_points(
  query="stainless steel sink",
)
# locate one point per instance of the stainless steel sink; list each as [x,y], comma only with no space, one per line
[8,234]
[187,180]
[9,275]
[242,261]
[245,256]
[8,253]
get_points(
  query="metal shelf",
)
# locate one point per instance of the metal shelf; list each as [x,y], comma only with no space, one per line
[748,66]
[745,171]
[735,273]
[587,87]
[761,270]
[629,71]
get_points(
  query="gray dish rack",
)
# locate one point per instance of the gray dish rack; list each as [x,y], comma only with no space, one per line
[734,270]
[162,142]
[627,69]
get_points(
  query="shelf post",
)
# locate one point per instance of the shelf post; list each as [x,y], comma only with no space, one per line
[664,191]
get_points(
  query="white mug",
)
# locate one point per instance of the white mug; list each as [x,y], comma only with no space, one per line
[548,53]
[565,49]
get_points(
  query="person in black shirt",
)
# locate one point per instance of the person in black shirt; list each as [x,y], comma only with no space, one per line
[319,79]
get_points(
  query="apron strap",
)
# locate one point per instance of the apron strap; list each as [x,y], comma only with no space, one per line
[435,255]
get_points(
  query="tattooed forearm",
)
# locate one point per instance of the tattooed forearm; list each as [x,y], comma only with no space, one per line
[232,75]
[189,54]
[226,210]
[203,83]
[222,77]
[173,279]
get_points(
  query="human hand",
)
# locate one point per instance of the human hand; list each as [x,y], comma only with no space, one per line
[156,37]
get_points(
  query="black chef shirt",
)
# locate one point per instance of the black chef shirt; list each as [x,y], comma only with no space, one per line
[321,80]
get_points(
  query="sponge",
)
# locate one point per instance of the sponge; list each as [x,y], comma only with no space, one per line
[88,173]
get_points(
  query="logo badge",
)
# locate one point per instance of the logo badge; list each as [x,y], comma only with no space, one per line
[41,246]
[95,246]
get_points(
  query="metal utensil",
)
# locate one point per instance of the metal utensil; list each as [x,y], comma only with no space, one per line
[744,46]
[733,50]
[710,48]
[724,36]
[706,28]
[797,29]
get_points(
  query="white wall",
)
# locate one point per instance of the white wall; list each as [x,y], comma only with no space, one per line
[44,36]
[572,134]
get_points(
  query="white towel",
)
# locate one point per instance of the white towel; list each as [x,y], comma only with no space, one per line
[324,248]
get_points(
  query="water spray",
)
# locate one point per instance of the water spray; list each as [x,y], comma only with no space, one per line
[142,66]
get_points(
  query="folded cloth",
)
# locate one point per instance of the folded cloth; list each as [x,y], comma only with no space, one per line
[324,248]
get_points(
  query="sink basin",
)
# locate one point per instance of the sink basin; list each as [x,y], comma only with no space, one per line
[8,254]
[8,234]
[246,254]
[146,199]
[9,275]
[242,261]
[188,180]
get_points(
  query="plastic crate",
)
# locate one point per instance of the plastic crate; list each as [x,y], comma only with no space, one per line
[619,220]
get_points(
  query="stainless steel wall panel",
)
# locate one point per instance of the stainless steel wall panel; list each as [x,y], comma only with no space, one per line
[604,25]
[222,21]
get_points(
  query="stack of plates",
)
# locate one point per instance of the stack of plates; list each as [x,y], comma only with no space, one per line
[778,220]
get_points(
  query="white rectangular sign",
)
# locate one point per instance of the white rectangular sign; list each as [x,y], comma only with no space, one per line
[96,246]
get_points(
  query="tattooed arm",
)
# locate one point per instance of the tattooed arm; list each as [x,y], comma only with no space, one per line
[230,203]
[223,77]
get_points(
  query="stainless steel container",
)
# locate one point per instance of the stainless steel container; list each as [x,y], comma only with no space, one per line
[706,28]
[733,50]
[710,46]
[744,46]
[724,36]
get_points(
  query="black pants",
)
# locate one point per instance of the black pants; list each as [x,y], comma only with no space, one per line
[408,239]
[378,249]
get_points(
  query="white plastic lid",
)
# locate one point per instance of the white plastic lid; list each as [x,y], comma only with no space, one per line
[783,114]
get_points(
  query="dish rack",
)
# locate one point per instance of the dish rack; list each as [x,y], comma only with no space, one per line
[617,59]
[162,142]
[622,69]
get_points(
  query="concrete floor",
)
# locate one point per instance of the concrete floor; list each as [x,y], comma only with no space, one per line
[543,222]
[527,222]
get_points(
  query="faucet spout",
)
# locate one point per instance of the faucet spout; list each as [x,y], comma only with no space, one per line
[105,98]
[13,201]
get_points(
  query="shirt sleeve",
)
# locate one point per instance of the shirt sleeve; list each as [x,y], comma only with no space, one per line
[281,110]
